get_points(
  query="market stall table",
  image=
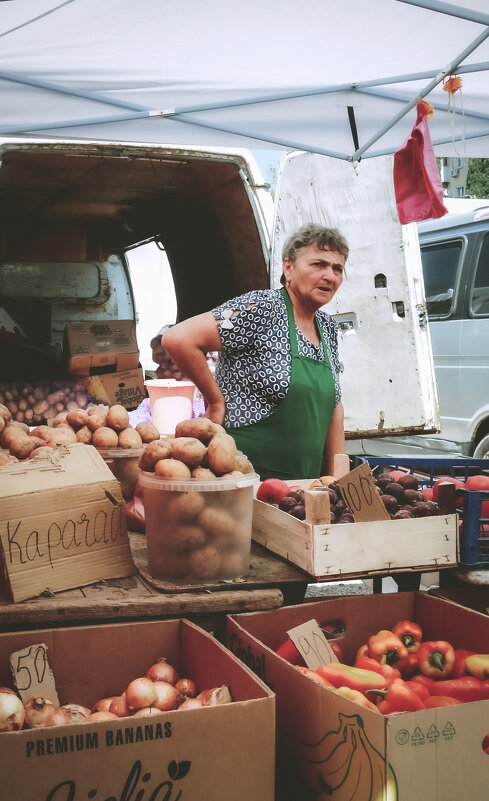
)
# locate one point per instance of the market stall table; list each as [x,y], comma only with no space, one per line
[270,583]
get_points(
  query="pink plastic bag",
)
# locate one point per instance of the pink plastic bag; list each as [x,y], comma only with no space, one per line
[417,183]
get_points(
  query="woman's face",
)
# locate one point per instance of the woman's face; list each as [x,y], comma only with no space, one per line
[315,275]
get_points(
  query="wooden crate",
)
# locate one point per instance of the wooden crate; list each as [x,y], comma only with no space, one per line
[351,550]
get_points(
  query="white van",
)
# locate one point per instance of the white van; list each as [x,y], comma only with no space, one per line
[455,257]
[72,211]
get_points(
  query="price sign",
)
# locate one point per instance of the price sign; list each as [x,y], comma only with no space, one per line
[32,672]
[361,496]
[312,644]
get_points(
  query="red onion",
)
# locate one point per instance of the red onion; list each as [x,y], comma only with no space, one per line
[104,704]
[215,696]
[104,714]
[145,711]
[68,714]
[186,688]
[191,703]
[12,711]
[119,706]
[166,696]
[38,709]
[140,693]
[162,671]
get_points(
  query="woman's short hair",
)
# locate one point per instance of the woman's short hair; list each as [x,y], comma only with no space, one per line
[313,234]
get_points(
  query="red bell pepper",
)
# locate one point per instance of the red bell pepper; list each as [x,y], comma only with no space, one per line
[418,688]
[358,697]
[409,666]
[478,665]
[341,675]
[386,648]
[398,697]
[366,663]
[315,676]
[466,688]
[362,651]
[409,633]
[436,658]
[289,652]
[435,701]
[459,666]
[422,679]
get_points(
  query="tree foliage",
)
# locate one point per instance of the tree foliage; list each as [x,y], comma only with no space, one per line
[478,178]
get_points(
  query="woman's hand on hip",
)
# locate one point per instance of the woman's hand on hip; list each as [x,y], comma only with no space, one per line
[216,411]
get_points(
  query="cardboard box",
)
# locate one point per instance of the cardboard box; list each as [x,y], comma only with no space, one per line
[62,523]
[102,346]
[346,550]
[213,754]
[126,388]
[474,596]
[327,741]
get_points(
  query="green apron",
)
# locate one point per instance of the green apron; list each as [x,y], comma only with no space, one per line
[289,443]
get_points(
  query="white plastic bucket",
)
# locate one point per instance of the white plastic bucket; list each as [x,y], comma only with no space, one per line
[171,402]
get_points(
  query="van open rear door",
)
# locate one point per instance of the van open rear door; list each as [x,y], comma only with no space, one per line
[388,383]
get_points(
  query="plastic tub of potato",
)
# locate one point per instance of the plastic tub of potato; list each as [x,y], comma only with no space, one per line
[124,464]
[198,530]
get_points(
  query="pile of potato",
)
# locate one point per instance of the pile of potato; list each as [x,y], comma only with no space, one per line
[200,449]
[42,401]
[102,427]
[197,534]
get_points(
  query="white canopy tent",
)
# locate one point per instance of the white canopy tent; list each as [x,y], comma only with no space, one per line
[336,78]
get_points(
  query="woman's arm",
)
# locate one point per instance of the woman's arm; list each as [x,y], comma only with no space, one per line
[188,343]
[335,440]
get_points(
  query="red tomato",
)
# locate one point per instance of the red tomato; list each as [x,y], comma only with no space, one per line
[459,484]
[428,493]
[396,474]
[480,483]
[272,490]
[477,483]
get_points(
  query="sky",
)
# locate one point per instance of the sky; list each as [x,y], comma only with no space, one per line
[267,159]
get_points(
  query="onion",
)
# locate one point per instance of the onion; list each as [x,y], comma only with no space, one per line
[186,688]
[104,714]
[119,706]
[162,671]
[215,696]
[166,696]
[140,693]
[147,710]
[191,703]
[68,714]
[12,711]
[37,709]
[104,704]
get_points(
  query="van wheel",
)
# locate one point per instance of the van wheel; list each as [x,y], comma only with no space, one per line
[482,448]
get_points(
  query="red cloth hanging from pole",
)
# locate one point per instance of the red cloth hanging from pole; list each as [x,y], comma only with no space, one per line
[417,183]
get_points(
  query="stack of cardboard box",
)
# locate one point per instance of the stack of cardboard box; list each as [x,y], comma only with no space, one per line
[104,356]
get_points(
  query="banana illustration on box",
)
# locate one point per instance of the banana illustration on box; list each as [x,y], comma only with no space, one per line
[345,766]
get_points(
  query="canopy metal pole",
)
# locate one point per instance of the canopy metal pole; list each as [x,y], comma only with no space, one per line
[287,143]
[54,87]
[441,141]
[480,115]
[24,128]
[446,71]
[448,8]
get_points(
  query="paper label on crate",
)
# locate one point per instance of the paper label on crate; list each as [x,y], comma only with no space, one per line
[360,494]
[312,644]
[32,672]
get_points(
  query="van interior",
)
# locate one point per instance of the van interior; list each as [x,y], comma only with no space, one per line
[69,212]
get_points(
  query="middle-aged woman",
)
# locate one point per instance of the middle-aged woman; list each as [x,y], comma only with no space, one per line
[276,387]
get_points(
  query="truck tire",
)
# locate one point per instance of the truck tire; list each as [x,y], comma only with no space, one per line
[481,450]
